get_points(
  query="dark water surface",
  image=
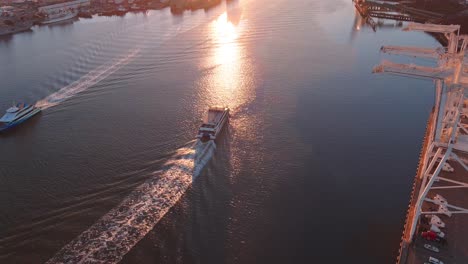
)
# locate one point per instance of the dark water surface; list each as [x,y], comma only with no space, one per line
[316,167]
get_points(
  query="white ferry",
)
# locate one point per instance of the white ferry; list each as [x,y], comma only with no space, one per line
[213,123]
[16,115]
[60,16]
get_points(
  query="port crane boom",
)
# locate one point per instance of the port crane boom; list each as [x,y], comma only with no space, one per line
[448,129]
[439,73]
[414,51]
[433,28]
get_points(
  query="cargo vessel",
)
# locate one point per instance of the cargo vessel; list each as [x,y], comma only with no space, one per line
[213,123]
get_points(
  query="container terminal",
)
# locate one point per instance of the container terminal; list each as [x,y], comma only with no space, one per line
[436,227]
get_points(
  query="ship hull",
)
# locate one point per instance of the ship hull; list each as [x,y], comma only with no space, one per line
[11,125]
[211,129]
[60,19]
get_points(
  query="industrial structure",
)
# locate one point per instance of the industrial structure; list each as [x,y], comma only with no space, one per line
[440,196]
[399,11]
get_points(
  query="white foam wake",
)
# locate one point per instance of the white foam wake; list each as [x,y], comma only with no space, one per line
[112,236]
[86,81]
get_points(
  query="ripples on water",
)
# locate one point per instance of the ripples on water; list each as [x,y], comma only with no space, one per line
[127,46]
[111,237]
[88,80]
[100,57]
[128,92]
[226,78]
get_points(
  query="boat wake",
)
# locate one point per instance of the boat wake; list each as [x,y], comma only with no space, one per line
[86,81]
[112,236]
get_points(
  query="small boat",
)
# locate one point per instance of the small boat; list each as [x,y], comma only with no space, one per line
[16,115]
[213,123]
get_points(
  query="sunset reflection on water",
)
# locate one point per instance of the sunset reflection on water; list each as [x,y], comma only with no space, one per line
[229,73]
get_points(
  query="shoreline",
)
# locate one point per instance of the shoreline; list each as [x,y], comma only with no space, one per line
[16,13]
[404,243]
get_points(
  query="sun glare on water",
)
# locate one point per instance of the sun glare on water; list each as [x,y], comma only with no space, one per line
[225,35]
[226,60]
[228,73]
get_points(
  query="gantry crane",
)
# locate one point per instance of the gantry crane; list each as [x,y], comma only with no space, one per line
[448,135]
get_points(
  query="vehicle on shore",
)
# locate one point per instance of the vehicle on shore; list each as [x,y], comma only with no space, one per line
[433,260]
[432,236]
[431,248]
[16,115]
[213,123]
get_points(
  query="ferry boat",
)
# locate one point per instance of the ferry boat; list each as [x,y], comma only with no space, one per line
[16,115]
[213,123]
[60,16]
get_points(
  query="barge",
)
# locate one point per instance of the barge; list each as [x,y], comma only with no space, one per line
[213,123]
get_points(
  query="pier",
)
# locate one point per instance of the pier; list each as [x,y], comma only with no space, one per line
[395,11]
[437,213]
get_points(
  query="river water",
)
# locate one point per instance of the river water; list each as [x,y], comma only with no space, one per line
[316,166]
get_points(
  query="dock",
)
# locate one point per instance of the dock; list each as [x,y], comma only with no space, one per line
[396,11]
[371,10]
[437,218]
